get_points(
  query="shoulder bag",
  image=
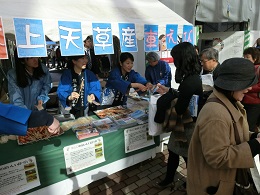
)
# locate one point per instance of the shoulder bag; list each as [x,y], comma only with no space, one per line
[244,182]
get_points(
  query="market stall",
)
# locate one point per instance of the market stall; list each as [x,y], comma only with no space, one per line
[51,166]
[49,159]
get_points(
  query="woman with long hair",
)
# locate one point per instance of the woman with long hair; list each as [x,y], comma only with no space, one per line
[29,83]
[188,76]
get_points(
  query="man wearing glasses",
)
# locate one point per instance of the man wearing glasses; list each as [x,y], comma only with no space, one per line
[209,60]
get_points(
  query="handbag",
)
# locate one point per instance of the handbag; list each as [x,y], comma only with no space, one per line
[244,183]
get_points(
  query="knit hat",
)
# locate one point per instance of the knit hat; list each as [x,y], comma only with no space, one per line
[235,74]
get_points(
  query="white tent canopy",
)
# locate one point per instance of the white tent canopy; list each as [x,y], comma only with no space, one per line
[139,12]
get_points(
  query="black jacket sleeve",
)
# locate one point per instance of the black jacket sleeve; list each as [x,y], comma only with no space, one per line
[163,103]
[254,145]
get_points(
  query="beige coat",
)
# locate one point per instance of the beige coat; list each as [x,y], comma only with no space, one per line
[213,154]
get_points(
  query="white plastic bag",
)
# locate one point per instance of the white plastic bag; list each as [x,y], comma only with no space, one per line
[255,172]
[154,128]
[107,96]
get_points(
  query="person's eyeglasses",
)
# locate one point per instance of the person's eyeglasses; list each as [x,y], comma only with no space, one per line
[204,61]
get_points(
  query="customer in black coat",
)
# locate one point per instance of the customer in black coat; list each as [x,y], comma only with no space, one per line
[188,75]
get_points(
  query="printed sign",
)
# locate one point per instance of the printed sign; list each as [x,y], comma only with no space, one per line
[137,137]
[19,176]
[102,38]
[151,41]
[71,42]
[3,48]
[30,38]
[83,155]
[188,34]
[127,34]
[171,35]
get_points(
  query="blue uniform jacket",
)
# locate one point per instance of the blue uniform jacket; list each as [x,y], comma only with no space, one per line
[13,119]
[91,86]
[28,97]
[116,82]
[160,73]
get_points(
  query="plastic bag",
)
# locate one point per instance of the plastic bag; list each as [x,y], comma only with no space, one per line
[154,128]
[107,96]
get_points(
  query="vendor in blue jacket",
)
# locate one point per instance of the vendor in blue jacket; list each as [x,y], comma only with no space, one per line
[29,83]
[157,71]
[78,86]
[122,78]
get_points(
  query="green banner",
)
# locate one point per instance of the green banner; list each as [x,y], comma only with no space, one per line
[246,39]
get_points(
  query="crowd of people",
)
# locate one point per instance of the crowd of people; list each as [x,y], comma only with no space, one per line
[208,146]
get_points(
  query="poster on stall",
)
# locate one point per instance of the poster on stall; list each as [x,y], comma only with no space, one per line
[71,42]
[30,38]
[83,155]
[127,33]
[19,176]
[3,48]
[137,137]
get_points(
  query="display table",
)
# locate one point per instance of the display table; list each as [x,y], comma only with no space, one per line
[51,164]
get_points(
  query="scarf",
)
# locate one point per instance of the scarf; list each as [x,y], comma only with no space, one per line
[119,97]
[176,123]
[78,81]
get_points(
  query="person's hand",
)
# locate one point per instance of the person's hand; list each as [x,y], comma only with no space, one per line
[149,86]
[73,96]
[54,128]
[162,89]
[139,87]
[91,98]
[39,105]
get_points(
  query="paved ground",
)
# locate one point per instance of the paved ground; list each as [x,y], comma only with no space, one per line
[137,179]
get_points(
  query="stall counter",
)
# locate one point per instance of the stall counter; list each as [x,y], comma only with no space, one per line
[51,164]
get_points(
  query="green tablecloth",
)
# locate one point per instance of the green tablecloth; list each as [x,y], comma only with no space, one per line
[50,159]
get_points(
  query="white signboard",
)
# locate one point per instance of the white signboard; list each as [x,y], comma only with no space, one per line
[83,155]
[256,173]
[19,176]
[137,137]
[257,162]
